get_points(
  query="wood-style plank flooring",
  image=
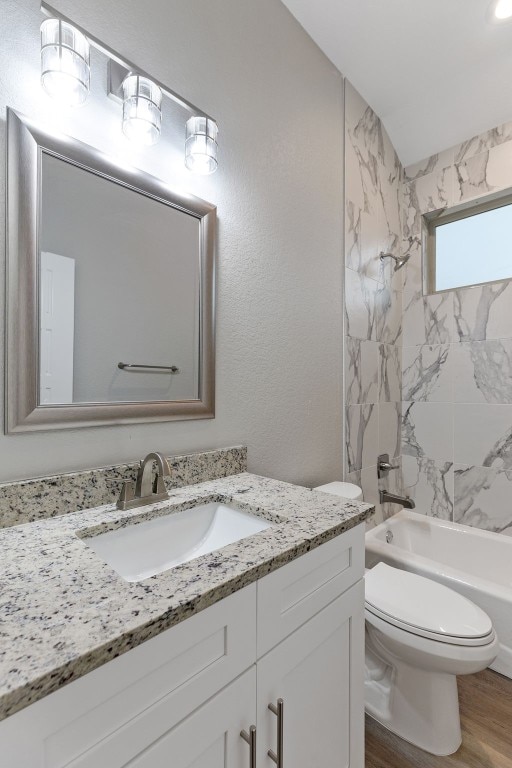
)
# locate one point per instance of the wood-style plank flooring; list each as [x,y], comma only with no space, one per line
[486,718]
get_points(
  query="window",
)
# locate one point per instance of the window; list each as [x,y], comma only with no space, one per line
[470,246]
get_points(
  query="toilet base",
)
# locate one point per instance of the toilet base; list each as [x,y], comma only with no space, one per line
[420,706]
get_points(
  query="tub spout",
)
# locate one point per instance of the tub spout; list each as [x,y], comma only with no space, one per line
[404,501]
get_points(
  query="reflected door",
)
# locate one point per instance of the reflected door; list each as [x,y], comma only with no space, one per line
[57,313]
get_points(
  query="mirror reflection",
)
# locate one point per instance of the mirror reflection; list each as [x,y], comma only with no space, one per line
[119,292]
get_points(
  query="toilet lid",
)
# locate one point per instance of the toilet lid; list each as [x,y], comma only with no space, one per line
[347,490]
[422,606]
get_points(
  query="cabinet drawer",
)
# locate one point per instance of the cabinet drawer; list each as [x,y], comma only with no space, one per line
[95,721]
[290,596]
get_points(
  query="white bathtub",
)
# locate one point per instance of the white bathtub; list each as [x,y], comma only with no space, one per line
[476,563]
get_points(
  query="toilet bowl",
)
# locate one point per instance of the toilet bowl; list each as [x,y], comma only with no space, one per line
[419,636]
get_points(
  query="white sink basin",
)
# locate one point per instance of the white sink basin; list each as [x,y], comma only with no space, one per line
[144,549]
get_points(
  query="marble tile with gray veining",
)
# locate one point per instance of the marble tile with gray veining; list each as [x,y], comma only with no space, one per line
[483,435]
[427,373]
[390,173]
[428,319]
[411,213]
[372,238]
[489,171]
[361,371]
[433,164]
[390,373]
[430,484]
[361,435]
[360,293]
[471,177]
[366,479]
[482,142]
[353,257]
[372,182]
[412,280]
[64,612]
[428,193]
[365,136]
[427,430]
[28,500]
[483,371]
[483,312]
[482,498]
[388,315]
[390,423]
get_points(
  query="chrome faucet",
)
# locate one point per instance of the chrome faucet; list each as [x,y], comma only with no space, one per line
[147,490]
[392,498]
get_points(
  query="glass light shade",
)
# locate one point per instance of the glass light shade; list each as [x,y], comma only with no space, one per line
[65,69]
[201,145]
[142,116]
[503,9]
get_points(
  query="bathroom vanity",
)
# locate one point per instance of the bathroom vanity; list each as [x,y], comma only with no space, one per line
[251,655]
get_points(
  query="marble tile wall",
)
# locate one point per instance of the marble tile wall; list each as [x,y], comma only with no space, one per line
[457,354]
[373,299]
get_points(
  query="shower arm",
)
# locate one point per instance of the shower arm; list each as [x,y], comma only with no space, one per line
[399,260]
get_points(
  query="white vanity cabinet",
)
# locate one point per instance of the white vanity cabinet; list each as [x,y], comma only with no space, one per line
[182,698]
[310,628]
[317,672]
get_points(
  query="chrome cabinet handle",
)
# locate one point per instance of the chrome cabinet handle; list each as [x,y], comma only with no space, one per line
[250,738]
[279,712]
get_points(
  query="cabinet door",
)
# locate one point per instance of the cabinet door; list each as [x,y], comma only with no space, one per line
[209,738]
[318,672]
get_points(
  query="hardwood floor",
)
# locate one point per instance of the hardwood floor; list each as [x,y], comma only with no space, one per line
[486,718]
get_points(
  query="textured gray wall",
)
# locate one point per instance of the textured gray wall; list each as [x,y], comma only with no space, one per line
[279,194]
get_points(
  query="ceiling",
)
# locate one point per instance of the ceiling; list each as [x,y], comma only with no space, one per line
[437,72]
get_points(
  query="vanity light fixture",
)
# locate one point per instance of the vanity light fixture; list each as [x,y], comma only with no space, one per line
[501,10]
[142,114]
[201,145]
[65,74]
[65,68]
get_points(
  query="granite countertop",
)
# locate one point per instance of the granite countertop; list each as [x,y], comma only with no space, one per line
[64,612]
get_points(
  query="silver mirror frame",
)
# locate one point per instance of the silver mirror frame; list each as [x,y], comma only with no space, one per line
[25,144]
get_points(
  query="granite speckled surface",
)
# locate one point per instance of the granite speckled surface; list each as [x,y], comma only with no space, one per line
[64,612]
[28,500]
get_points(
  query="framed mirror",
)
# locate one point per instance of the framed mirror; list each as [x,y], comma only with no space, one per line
[110,290]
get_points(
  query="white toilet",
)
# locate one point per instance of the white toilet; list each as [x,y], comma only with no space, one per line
[419,636]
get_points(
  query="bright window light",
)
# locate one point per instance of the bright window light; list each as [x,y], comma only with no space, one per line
[473,249]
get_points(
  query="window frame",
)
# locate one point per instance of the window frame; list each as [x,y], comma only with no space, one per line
[430,223]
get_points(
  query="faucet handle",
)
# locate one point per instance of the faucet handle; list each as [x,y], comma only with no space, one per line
[384,466]
[127,494]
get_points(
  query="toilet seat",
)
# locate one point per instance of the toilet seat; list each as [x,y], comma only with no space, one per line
[425,608]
